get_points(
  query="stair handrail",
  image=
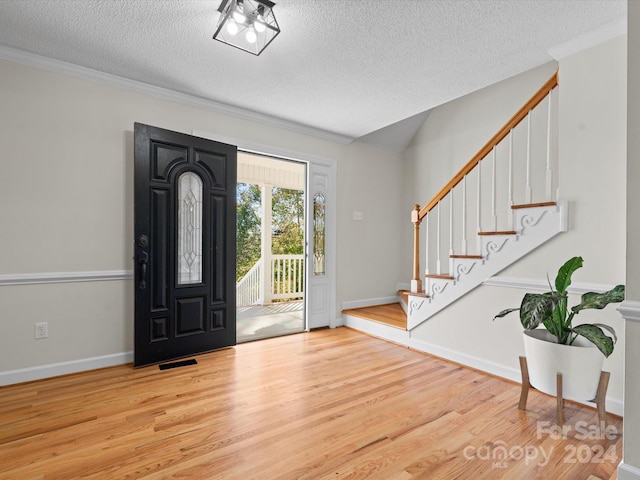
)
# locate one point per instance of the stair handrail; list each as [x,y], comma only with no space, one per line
[518,117]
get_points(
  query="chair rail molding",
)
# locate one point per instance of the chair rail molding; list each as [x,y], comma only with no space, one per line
[628,472]
[63,277]
[630,310]
[543,285]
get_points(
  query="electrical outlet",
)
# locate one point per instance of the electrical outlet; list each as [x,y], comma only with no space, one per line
[41,330]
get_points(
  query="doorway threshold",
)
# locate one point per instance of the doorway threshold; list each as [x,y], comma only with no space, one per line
[265,321]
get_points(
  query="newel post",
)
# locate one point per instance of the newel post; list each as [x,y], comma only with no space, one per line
[416,282]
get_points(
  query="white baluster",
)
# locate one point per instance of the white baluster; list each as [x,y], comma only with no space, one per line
[557,160]
[464,215]
[479,206]
[549,172]
[451,251]
[451,223]
[438,269]
[426,241]
[494,214]
[294,276]
[276,288]
[510,214]
[529,190]
[287,285]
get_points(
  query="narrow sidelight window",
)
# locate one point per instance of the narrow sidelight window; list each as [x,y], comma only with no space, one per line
[190,194]
[318,234]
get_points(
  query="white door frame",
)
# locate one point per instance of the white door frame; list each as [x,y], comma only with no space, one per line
[320,291]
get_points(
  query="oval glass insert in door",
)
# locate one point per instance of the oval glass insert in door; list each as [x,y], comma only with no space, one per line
[189,229]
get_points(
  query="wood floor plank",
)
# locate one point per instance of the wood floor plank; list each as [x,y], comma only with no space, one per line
[328,404]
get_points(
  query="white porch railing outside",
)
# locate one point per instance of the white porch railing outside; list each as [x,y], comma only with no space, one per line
[287,281]
[248,288]
[288,276]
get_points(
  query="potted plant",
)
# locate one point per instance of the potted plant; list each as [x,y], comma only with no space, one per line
[575,351]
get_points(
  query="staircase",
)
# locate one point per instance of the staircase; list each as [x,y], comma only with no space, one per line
[498,208]
[536,224]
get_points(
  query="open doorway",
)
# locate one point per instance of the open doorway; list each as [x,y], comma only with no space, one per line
[270,243]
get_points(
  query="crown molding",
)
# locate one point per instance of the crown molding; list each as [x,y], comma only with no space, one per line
[57,66]
[602,34]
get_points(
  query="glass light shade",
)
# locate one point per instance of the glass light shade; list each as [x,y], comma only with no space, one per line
[232,27]
[254,24]
[259,24]
[251,35]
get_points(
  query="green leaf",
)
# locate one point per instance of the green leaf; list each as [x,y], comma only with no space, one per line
[535,309]
[563,279]
[600,300]
[506,312]
[596,336]
[608,329]
[557,330]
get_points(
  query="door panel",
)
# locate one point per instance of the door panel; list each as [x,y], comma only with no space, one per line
[184,245]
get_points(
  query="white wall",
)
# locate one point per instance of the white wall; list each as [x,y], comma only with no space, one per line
[592,136]
[369,182]
[66,205]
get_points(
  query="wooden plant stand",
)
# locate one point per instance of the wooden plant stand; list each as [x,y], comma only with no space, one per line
[600,399]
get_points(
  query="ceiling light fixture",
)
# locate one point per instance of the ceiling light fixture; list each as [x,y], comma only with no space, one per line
[247,24]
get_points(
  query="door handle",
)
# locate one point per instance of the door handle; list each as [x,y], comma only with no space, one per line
[143,258]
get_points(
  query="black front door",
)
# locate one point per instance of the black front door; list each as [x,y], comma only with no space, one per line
[185,220]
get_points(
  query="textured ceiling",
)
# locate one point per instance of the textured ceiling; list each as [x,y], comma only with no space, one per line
[349,67]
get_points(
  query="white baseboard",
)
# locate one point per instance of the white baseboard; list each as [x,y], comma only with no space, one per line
[63,368]
[369,302]
[613,405]
[627,472]
[468,360]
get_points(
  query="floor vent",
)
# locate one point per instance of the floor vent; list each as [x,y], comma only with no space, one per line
[181,363]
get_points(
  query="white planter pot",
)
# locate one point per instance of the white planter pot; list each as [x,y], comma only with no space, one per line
[580,365]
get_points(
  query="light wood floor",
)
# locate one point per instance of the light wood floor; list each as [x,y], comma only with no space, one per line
[330,404]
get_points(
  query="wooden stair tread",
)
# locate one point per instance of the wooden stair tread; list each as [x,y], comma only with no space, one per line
[475,257]
[404,295]
[390,314]
[504,232]
[533,205]
[444,276]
